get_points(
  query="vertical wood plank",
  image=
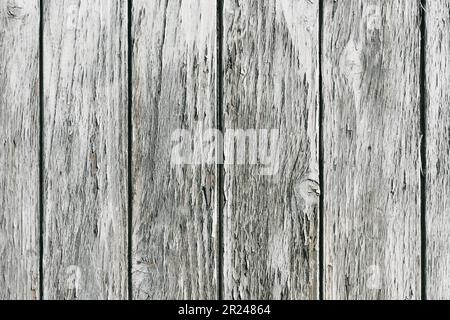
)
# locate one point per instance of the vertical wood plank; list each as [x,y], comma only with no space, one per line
[438,148]
[271,216]
[372,199]
[174,205]
[85,142]
[19,149]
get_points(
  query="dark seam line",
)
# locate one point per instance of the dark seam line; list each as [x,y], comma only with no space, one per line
[130,148]
[41,150]
[423,151]
[321,196]
[220,127]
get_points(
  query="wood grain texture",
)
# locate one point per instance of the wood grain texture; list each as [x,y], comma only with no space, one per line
[271,82]
[19,149]
[438,148]
[175,239]
[371,90]
[85,149]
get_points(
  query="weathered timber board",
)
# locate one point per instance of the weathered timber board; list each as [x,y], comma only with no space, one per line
[437,61]
[19,149]
[175,236]
[372,198]
[270,218]
[85,149]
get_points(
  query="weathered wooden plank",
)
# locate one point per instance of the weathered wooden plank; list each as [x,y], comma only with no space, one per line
[438,148]
[174,243]
[371,90]
[19,149]
[85,142]
[271,204]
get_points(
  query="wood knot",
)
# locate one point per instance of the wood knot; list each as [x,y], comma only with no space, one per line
[15,9]
[352,61]
[308,190]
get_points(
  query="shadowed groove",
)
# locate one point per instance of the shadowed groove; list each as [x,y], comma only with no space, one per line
[219,124]
[41,149]
[423,150]
[130,148]
[322,189]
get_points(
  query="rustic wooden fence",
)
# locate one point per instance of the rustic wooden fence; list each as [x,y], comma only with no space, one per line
[92,207]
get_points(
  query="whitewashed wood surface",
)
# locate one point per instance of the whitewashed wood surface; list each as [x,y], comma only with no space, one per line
[355,204]
[437,96]
[372,161]
[270,229]
[85,150]
[174,228]
[19,150]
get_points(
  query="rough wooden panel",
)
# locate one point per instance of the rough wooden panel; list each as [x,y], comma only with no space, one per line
[174,205]
[271,204]
[438,148]
[371,90]
[85,142]
[19,149]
